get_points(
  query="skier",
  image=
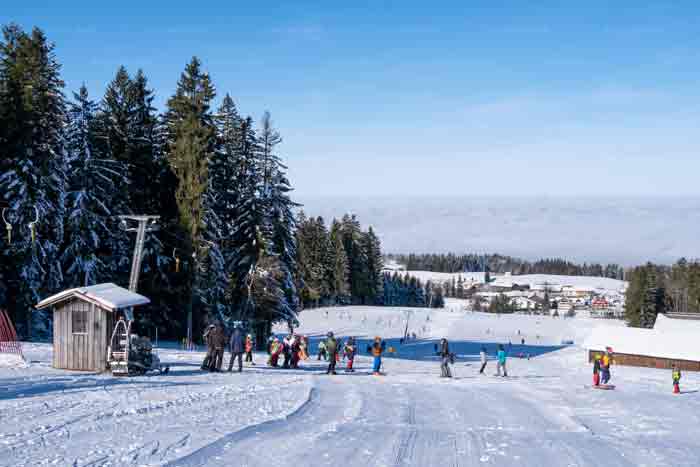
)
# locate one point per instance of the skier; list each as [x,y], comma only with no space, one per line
[376,349]
[296,351]
[236,346]
[484,359]
[207,337]
[287,350]
[676,375]
[249,344]
[218,336]
[445,358]
[501,361]
[349,353]
[596,370]
[332,349]
[275,350]
[605,365]
[322,352]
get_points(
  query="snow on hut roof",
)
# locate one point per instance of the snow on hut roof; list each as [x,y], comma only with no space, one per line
[668,340]
[108,295]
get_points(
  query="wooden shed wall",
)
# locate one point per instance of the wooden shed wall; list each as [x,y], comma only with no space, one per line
[81,351]
[647,362]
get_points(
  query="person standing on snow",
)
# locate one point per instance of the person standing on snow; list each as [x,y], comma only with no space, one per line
[249,344]
[218,336]
[445,358]
[484,359]
[332,349]
[501,362]
[322,352]
[349,353]
[296,351]
[606,361]
[275,350]
[676,376]
[208,341]
[376,349]
[287,350]
[236,346]
[596,370]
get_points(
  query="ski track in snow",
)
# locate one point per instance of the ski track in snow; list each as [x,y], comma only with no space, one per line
[542,414]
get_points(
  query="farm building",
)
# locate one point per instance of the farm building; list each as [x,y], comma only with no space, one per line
[83,321]
[671,341]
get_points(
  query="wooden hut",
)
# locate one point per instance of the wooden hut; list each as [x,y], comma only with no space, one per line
[83,321]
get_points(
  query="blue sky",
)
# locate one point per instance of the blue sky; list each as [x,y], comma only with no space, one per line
[425,98]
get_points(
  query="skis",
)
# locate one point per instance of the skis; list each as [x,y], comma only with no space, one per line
[605,387]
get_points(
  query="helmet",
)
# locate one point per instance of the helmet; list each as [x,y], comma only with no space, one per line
[330,334]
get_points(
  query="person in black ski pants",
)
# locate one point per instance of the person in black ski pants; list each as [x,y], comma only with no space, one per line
[332,349]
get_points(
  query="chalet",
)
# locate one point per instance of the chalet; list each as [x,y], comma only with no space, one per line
[673,340]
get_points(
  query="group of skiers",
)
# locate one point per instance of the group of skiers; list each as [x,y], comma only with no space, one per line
[292,348]
[446,358]
[216,341]
[332,350]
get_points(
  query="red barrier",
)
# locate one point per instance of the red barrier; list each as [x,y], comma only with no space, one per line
[8,337]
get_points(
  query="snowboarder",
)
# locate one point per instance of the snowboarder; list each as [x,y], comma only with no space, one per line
[249,345]
[332,349]
[236,346]
[676,375]
[207,337]
[349,353]
[501,362]
[606,361]
[376,349]
[445,358]
[322,352]
[484,359]
[596,370]
[218,336]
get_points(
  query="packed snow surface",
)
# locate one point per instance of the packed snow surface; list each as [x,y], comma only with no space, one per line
[543,414]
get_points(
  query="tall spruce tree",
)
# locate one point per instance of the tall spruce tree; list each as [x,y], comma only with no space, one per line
[190,145]
[93,178]
[33,177]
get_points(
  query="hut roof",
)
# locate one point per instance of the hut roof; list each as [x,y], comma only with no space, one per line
[109,296]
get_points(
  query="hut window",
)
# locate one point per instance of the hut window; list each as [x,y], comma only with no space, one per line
[80,319]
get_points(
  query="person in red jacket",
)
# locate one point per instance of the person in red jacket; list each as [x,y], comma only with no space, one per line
[249,349]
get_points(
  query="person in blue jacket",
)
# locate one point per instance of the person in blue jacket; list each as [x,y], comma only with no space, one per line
[377,349]
[501,362]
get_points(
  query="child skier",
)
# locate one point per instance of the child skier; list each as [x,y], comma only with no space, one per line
[596,370]
[445,358]
[484,359]
[501,362]
[322,352]
[676,375]
[606,361]
[349,353]
[249,349]
[275,350]
[376,349]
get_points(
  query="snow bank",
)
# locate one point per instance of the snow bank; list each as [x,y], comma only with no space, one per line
[8,360]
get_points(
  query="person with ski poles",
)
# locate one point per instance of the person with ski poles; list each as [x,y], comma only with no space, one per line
[501,361]
[236,346]
[332,349]
[445,358]
[349,353]
[249,345]
[676,376]
[376,349]
[296,351]
[484,359]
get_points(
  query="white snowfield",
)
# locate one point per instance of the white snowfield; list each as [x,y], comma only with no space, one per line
[543,414]
[532,280]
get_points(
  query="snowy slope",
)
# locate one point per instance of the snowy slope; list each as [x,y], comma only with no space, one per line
[542,415]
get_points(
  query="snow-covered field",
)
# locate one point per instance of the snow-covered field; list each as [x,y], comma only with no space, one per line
[542,415]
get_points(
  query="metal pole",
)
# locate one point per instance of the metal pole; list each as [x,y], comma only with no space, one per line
[143,227]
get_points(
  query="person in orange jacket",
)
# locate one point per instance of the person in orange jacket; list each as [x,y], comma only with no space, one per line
[249,344]
[377,349]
